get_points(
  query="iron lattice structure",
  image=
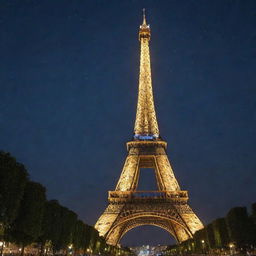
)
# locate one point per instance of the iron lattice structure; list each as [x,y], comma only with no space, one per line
[128,208]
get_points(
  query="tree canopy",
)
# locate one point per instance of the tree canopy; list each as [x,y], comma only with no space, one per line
[13,178]
[27,226]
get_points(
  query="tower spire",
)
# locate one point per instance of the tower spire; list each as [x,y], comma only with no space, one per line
[146,127]
[144,16]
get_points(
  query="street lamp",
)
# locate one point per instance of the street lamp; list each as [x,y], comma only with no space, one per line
[70,249]
[202,241]
[231,247]
[1,248]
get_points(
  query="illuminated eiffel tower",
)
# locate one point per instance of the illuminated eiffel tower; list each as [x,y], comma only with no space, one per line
[167,207]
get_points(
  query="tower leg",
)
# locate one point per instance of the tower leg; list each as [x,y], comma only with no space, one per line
[108,218]
[129,177]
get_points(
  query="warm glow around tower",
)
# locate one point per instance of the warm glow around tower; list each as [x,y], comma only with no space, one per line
[146,126]
[129,207]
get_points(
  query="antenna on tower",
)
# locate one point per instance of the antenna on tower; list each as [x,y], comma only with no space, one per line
[144,16]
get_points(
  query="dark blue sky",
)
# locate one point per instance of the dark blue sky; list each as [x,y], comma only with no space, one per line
[69,77]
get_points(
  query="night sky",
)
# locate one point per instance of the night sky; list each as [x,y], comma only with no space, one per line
[69,79]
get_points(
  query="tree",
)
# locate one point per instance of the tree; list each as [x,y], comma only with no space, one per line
[210,236]
[65,226]
[221,235]
[239,227]
[13,178]
[253,221]
[27,227]
[254,213]
[200,238]
[51,225]
[92,237]
[87,237]
[78,235]
[187,246]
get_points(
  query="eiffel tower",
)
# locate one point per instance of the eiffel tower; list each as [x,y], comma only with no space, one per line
[167,207]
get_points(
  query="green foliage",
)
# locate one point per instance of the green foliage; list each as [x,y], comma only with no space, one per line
[210,236]
[69,219]
[187,246]
[65,226]
[253,223]
[88,236]
[254,213]
[26,216]
[100,245]
[220,233]
[27,226]
[13,177]
[79,234]
[51,226]
[200,238]
[239,226]
[94,236]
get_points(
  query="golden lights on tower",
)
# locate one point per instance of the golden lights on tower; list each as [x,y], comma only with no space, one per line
[127,207]
[146,123]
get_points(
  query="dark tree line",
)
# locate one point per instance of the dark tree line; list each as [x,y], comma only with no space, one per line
[27,217]
[234,233]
